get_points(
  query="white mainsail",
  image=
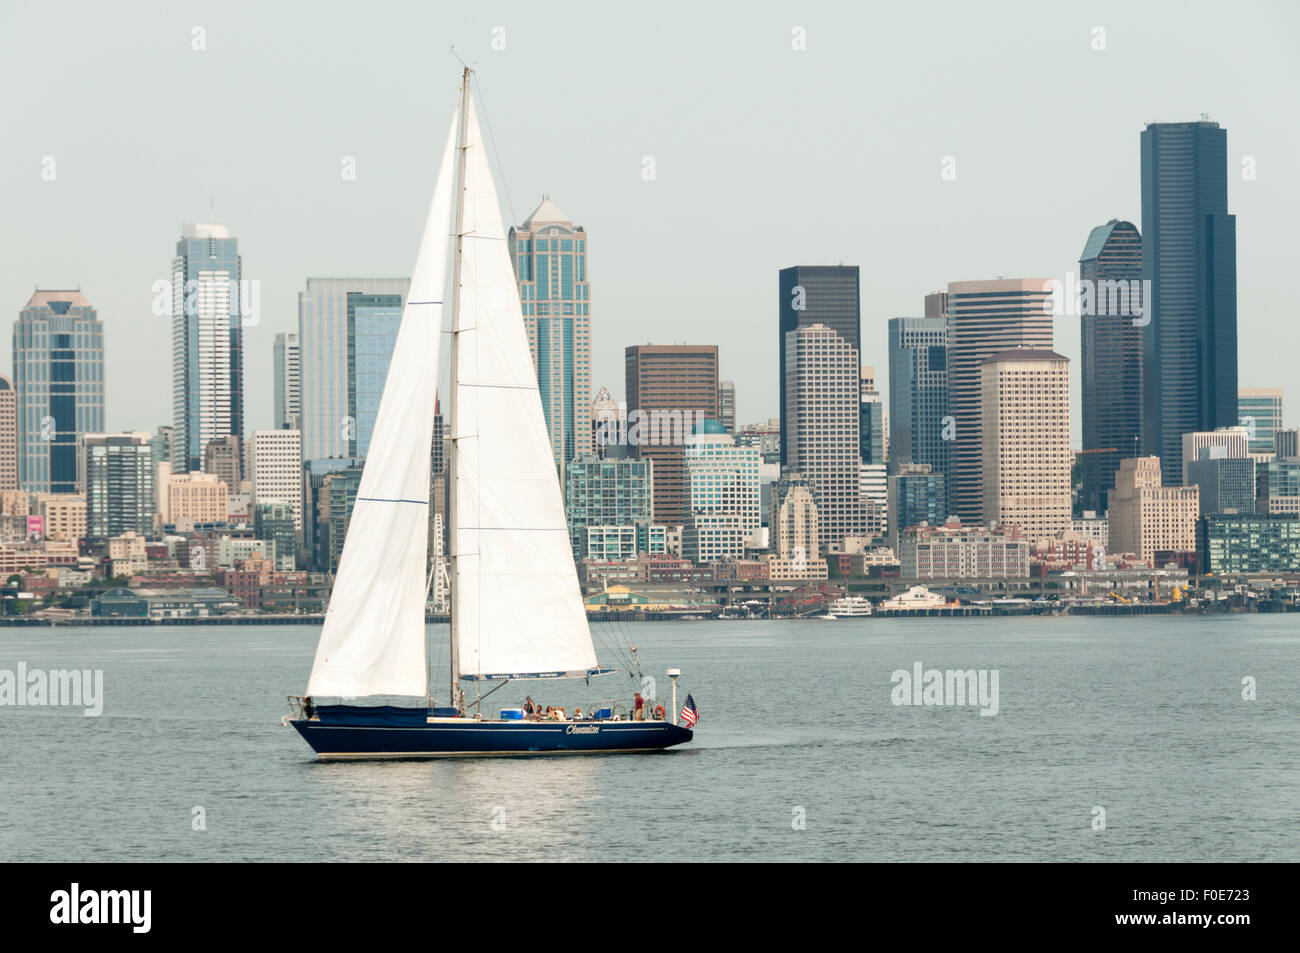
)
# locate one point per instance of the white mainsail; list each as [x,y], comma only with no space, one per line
[516,607]
[373,641]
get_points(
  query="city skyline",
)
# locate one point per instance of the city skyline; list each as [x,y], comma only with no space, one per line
[634,215]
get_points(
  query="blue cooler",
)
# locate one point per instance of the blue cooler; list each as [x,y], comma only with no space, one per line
[445,712]
[512,714]
[602,713]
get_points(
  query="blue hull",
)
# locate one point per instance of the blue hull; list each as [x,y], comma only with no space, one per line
[487,738]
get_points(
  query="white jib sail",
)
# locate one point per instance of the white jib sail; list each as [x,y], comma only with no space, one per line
[517,610]
[373,641]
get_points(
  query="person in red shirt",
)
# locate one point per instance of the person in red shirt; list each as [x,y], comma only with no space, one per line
[639,714]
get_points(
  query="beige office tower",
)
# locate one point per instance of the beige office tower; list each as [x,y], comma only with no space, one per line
[823,399]
[984,318]
[194,498]
[795,539]
[1147,518]
[1025,456]
[8,435]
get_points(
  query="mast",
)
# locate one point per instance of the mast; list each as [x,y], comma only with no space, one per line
[453,419]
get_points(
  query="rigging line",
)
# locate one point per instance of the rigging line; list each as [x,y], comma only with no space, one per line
[496,152]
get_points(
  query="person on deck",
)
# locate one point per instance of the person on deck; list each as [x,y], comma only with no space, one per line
[639,705]
[528,707]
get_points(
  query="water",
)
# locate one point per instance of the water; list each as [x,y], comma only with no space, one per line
[1142,717]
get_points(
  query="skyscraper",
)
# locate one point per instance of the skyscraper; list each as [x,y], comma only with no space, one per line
[207,341]
[59,375]
[984,318]
[871,420]
[287,369]
[373,322]
[815,294]
[325,312]
[1110,357]
[1189,254]
[8,434]
[918,391]
[1261,414]
[724,495]
[821,442]
[1025,457]
[550,258]
[670,388]
[275,467]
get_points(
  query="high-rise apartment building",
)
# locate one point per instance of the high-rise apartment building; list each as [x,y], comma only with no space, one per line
[1189,254]
[1025,457]
[1110,357]
[985,318]
[208,297]
[119,479]
[59,379]
[287,370]
[821,436]
[916,495]
[670,388]
[828,295]
[549,253]
[344,329]
[606,492]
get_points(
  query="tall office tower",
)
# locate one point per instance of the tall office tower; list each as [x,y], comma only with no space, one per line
[871,420]
[8,434]
[821,441]
[1025,457]
[670,388]
[795,531]
[120,488]
[223,457]
[727,406]
[343,324]
[275,466]
[373,323]
[918,391]
[1189,254]
[550,258]
[288,379]
[724,488]
[828,295]
[1147,518]
[1110,357]
[1261,414]
[1286,444]
[59,378]
[984,318]
[207,341]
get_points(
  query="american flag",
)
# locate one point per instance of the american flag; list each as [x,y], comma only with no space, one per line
[690,714]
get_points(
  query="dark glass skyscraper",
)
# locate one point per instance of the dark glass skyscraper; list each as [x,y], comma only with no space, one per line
[1111,356]
[918,392]
[59,378]
[816,294]
[1189,254]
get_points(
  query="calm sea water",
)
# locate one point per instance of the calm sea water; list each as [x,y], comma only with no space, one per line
[1143,718]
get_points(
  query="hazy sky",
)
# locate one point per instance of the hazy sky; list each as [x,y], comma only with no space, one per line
[765,155]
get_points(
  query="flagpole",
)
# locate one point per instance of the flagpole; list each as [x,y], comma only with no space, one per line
[673,673]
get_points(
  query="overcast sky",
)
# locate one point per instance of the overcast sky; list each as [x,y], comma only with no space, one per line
[764,155]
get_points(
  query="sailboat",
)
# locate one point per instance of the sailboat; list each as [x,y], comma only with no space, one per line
[516,608]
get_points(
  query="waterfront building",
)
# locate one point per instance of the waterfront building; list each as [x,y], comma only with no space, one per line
[1147,517]
[953,551]
[1249,543]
